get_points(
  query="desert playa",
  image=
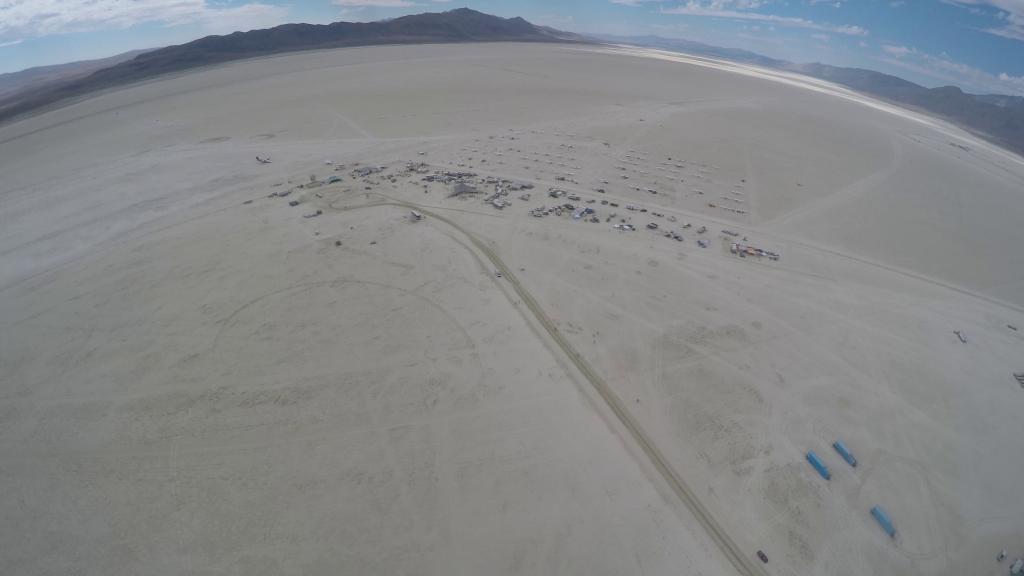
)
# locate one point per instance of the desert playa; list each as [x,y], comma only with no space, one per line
[506,309]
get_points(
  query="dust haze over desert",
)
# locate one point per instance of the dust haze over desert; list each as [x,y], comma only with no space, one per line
[395,349]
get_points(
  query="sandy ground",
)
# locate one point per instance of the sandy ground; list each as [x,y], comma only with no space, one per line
[194,378]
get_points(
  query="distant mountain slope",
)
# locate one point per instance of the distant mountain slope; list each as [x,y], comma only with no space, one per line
[460,25]
[34,78]
[1002,100]
[999,118]
[996,117]
[696,49]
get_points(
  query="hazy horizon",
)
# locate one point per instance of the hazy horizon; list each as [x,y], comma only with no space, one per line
[977,45]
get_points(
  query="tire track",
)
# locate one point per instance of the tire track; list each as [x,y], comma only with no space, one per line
[744,565]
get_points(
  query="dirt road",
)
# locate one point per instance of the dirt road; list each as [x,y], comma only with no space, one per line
[744,564]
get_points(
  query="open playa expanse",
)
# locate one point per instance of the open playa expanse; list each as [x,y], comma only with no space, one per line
[506,309]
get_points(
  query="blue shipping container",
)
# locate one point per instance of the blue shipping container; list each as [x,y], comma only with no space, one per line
[845,453]
[883,520]
[818,465]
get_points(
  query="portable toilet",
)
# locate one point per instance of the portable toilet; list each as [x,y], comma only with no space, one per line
[845,453]
[884,521]
[818,465]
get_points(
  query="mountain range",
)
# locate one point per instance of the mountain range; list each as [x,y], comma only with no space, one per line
[459,25]
[41,76]
[997,117]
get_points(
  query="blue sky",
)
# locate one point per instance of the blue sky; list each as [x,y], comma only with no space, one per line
[975,44]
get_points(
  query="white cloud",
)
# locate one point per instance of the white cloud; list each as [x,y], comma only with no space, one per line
[944,69]
[11,42]
[30,18]
[737,10]
[1010,12]
[728,4]
[375,3]
[1014,83]
[244,17]
[554,20]
[897,51]
[822,37]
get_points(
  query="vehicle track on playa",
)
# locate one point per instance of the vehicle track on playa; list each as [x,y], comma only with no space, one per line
[744,565]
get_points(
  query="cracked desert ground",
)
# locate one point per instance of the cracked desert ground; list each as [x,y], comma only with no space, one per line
[196,379]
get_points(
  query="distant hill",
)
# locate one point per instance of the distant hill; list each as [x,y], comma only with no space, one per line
[1002,100]
[996,117]
[34,78]
[460,25]
[696,49]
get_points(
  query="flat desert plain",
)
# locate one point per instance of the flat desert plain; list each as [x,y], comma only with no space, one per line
[198,377]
